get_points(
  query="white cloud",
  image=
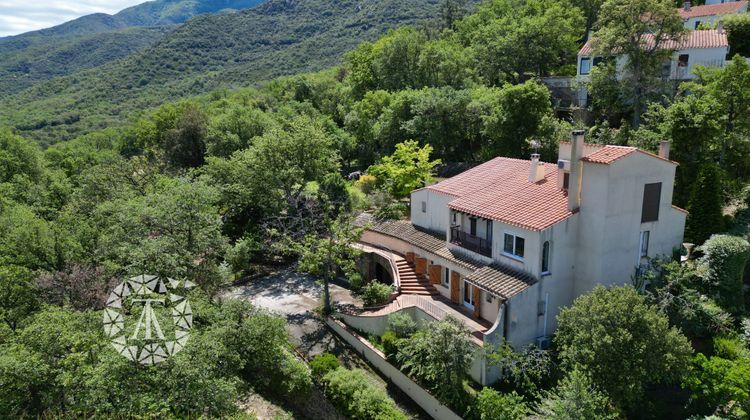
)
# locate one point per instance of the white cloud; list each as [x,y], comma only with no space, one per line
[18,16]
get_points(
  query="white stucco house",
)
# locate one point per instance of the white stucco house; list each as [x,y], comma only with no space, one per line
[513,241]
[710,13]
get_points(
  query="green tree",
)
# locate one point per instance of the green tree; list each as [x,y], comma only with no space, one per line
[407,169]
[622,342]
[19,157]
[638,29]
[738,33]
[706,205]
[514,40]
[721,386]
[526,370]
[439,356]
[493,405]
[724,261]
[576,398]
[452,11]
[18,296]
[354,392]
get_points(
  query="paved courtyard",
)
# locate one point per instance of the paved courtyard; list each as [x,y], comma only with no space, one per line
[296,297]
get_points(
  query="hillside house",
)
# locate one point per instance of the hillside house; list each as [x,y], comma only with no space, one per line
[511,241]
[709,14]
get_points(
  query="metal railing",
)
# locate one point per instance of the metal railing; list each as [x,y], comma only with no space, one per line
[471,242]
[427,306]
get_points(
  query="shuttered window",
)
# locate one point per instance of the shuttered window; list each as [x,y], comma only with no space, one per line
[651,201]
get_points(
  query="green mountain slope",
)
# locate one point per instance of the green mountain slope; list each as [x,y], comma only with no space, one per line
[96,39]
[211,51]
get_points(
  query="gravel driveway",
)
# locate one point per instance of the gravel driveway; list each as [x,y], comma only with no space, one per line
[295,296]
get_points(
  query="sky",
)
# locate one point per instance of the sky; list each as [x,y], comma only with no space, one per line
[18,16]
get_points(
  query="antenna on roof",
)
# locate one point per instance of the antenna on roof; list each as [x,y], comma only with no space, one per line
[536,145]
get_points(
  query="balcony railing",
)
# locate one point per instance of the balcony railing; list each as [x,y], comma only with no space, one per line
[471,242]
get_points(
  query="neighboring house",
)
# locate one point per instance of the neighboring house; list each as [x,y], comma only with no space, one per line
[711,13]
[707,48]
[513,241]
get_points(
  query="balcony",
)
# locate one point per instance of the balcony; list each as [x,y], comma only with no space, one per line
[471,242]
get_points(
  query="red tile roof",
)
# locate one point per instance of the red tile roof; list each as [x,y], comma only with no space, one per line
[609,154]
[500,190]
[713,9]
[709,38]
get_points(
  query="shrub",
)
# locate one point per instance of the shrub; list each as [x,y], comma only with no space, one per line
[355,394]
[321,364]
[724,263]
[390,341]
[729,348]
[366,183]
[402,324]
[492,405]
[242,253]
[716,382]
[375,293]
[575,397]
[618,321]
[705,205]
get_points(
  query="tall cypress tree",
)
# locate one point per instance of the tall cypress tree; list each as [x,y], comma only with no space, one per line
[705,205]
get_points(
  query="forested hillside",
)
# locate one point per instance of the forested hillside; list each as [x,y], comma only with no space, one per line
[209,52]
[96,39]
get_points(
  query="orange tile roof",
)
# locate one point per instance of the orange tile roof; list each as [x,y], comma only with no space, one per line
[609,154]
[712,10]
[500,190]
[709,38]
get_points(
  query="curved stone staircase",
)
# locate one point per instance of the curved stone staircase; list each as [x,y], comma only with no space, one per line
[411,282]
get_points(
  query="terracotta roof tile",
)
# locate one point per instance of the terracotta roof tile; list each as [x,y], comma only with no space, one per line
[710,38]
[500,280]
[500,190]
[713,9]
[610,154]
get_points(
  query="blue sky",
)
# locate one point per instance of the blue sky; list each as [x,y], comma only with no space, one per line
[18,16]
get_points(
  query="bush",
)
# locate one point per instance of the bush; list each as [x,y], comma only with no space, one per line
[575,397]
[321,364]
[402,324]
[390,341]
[724,263]
[355,394]
[729,348]
[376,293]
[722,384]
[366,183]
[492,405]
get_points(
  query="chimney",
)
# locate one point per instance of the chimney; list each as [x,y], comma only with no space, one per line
[720,27]
[664,149]
[574,187]
[686,6]
[536,172]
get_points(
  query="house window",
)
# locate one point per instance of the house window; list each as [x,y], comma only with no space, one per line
[585,65]
[566,180]
[446,277]
[488,297]
[424,207]
[488,234]
[514,245]
[643,253]
[454,217]
[545,257]
[697,24]
[473,226]
[651,198]
[682,60]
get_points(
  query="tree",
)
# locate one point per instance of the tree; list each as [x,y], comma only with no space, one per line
[622,342]
[576,398]
[18,297]
[590,9]
[79,286]
[724,261]
[721,386]
[514,40]
[492,405]
[637,30]
[439,356]
[452,11]
[526,370]
[738,33]
[407,169]
[358,397]
[705,206]
[18,157]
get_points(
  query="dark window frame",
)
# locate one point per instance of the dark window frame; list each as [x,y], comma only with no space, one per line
[589,62]
[651,202]
[518,244]
[545,256]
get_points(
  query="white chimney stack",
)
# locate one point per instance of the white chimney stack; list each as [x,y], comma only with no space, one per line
[536,172]
[686,6]
[574,187]
[664,149]
[720,27]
